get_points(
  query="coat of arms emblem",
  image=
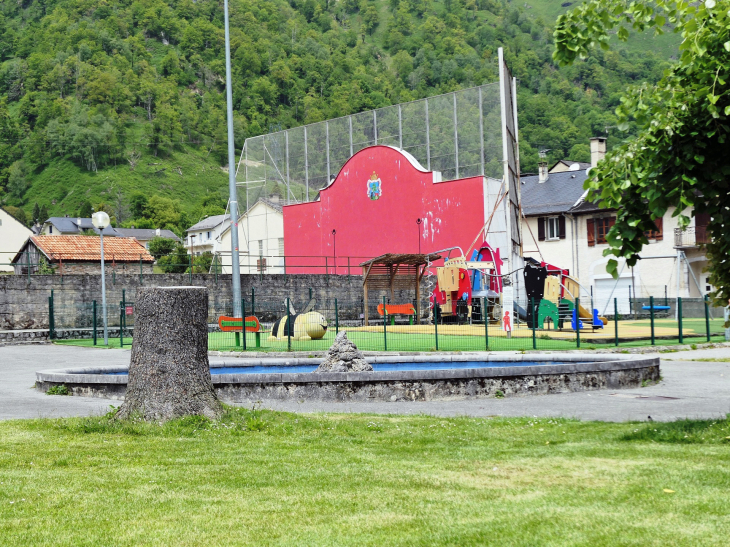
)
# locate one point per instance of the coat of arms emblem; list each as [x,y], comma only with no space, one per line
[374,188]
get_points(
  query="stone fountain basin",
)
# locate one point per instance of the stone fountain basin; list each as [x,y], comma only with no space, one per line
[438,377]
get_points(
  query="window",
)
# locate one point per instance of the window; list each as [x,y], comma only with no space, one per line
[658,233]
[550,228]
[50,229]
[208,234]
[598,228]
[281,246]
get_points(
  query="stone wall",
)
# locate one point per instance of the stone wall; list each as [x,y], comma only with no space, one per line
[24,299]
[94,268]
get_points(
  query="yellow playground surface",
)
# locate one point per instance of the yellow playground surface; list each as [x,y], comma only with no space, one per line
[626,329]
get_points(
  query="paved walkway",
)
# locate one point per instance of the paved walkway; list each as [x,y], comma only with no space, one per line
[689,389]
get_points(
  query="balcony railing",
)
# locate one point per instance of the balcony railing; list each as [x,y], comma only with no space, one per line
[692,236]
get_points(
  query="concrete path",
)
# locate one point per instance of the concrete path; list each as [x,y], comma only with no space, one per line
[689,389]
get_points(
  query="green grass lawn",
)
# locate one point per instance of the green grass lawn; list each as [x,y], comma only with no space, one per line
[266,478]
[375,341]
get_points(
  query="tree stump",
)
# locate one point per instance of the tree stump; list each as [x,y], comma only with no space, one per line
[169,373]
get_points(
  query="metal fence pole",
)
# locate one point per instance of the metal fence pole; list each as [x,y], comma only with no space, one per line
[486,324]
[288,326]
[615,320]
[385,328]
[428,139]
[481,133]
[534,322]
[707,319]
[456,139]
[51,319]
[93,321]
[679,319]
[337,319]
[253,301]
[651,315]
[577,322]
[261,267]
[190,262]
[121,326]
[243,323]
[436,324]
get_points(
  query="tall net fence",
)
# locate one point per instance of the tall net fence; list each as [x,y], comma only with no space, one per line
[458,134]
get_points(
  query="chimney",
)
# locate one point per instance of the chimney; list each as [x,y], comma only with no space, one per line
[274,198]
[157,232]
[542,167]
[598,150]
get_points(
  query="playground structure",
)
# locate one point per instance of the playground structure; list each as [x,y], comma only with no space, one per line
[473,291]
[304,326]
[391,272]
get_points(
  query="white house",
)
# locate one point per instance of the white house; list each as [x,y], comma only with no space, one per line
[204,236]
[564,229]
[260,237]
[13,235]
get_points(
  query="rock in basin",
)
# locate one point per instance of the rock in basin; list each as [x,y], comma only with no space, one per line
[343,356]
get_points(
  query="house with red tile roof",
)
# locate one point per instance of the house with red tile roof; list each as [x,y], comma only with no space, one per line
[81,255]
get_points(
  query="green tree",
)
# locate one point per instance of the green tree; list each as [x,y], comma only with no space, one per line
[161,246]
[679,156]
[178,261]
[17,181]
[85,209]
[370,19]
[36,212]
[164,212]
[138,205]
[43,214]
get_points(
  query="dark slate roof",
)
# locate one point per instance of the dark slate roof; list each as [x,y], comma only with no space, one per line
[210,222]
[584,206]
[144,234]
[276,205]
[583,165]
[73,225]
[558,194]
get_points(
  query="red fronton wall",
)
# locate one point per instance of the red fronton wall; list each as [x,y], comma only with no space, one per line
[453,214]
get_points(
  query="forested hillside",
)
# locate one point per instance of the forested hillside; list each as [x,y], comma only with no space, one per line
[107,103]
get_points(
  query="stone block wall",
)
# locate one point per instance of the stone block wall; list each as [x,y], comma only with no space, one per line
[24,300]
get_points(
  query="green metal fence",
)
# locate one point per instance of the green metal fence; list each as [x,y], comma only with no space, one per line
[284,324]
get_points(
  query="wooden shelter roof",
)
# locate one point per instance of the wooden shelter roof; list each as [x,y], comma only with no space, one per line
[392,259]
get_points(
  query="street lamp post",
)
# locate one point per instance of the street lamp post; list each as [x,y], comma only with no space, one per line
[232,193]
[334,248]
[418,226]
[100,220]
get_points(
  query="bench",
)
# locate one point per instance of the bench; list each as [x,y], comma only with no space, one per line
[233,324]
[398,309]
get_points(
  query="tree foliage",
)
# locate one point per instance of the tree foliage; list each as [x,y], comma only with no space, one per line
[161,246]
[678,158]
[101,84]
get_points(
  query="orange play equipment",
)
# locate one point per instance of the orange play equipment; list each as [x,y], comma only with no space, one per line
[233,324]
[397,309]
